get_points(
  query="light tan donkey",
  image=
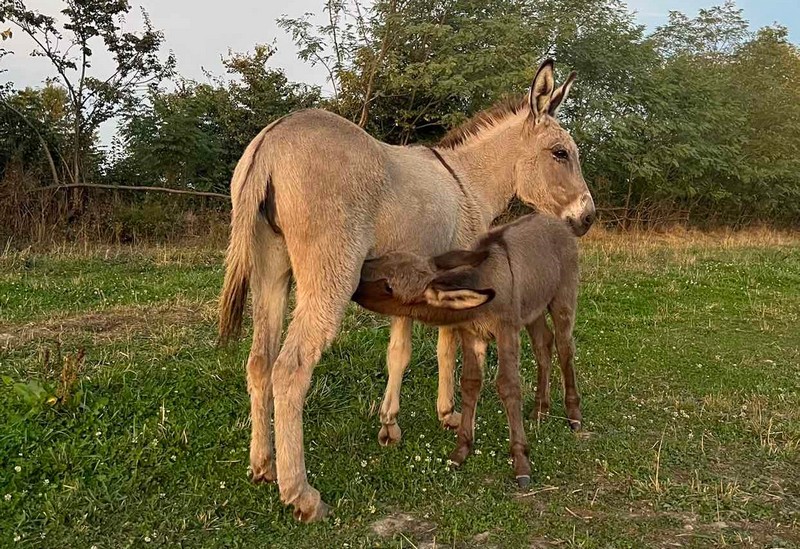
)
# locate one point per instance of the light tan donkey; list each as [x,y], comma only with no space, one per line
[508,281]
[314,196]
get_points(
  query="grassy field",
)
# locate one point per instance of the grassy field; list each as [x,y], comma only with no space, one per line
[688,362]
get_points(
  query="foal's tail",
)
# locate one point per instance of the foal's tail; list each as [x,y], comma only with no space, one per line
[252,196]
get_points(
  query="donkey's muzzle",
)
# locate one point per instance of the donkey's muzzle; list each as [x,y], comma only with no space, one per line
[581,225]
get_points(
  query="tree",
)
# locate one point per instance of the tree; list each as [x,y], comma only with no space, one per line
[193,136]
[89,26]
[34,129]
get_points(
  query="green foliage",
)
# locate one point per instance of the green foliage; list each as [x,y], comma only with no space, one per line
[70,41]
[32,123]
[193,136]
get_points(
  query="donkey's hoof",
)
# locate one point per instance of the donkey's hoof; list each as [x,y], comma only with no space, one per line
[313,514]
[451,420]
[523,481]
[574,424]
[263,474]
[389,435]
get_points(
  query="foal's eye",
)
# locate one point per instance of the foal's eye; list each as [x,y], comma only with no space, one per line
[386,287]
[561,155]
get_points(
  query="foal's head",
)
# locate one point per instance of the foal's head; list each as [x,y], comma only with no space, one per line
[442,290]
[548,176]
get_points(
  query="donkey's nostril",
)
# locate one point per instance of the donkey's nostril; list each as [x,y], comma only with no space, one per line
[588,219]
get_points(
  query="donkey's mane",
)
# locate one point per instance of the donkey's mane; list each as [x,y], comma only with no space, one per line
[484,119]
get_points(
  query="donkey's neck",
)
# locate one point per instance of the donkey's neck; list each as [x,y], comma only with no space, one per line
[486,164]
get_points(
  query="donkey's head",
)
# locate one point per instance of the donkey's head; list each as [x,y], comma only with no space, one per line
[440,290]
[548,174]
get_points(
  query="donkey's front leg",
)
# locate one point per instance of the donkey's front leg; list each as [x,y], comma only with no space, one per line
[397,358]
[446,355]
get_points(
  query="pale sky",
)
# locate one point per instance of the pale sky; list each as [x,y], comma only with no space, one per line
[199,32]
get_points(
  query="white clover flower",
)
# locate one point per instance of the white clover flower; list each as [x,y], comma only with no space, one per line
[417,458]
[147,539]
[222,485]
[7,497]
[47,481]
[18,469]
[363,463]
[17,537]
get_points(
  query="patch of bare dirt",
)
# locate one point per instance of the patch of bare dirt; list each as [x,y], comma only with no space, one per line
[108,325]
[420,531]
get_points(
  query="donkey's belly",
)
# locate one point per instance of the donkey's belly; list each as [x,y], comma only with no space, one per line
[425,223]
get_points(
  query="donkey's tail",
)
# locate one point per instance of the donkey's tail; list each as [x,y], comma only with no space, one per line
[252,195]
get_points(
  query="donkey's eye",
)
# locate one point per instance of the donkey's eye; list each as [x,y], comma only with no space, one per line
[561,155]
[387,288]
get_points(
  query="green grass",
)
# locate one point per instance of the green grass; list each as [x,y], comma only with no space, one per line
[688,362]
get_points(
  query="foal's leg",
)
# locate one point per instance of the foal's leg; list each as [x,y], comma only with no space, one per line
[270,287]
[511,396]
[542,340]
[474,350]
[397,358]
[446,354]
[563,314]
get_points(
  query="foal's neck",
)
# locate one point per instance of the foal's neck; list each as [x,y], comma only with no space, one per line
[486,163]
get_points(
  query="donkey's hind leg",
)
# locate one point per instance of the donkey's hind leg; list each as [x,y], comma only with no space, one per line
[562,311]
[397,358]
[326,277]
[542,340]
[271,275]
[446,348]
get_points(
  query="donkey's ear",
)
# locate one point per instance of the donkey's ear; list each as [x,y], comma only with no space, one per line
[541,90]
[561,94]
[460,258]
[457,299]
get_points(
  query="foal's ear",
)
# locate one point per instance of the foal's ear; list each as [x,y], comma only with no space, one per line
[460,258]
[373,269]
[457,299]
[457,290]
[541,90]
[561,94]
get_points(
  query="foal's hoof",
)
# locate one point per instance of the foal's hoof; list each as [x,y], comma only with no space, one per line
[523,481]
[540,413]
[574,423]
[451,421]
[459,455]
[389,435]
[314,514]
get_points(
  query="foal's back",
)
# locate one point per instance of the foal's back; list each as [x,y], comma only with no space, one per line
[542,253]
